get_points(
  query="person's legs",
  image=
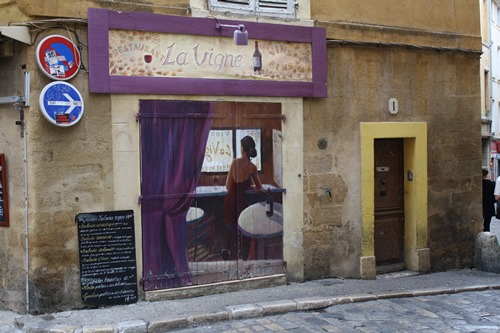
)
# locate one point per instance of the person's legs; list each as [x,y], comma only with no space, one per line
[486,223]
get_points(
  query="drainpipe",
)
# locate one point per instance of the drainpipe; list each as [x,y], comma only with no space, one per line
[491,59]
[492,104]
[27,265]
[21,122]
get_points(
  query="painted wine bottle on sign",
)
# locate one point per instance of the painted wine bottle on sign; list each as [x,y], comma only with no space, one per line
[269,203]
[257,59]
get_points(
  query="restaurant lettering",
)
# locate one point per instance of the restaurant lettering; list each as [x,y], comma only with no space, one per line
[198,56]
[208,58]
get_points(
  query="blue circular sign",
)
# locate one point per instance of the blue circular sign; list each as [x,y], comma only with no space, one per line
[61,103]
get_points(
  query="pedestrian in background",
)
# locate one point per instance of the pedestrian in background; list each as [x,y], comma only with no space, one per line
[490,195]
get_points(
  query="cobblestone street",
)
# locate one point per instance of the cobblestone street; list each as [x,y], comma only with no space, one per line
[461,312]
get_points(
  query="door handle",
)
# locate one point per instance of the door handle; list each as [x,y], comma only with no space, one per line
[382,190]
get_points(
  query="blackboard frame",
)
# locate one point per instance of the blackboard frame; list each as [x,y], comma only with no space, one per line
[108,266]
[4,196]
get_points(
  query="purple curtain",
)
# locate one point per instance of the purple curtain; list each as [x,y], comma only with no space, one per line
[173,139]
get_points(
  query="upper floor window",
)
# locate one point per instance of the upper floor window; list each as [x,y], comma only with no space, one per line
[277,8]
[494,12]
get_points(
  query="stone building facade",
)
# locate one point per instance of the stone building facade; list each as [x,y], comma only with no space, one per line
[389,78]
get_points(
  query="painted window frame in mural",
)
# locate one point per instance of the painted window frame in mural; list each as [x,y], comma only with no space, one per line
[212,163]
[4,204]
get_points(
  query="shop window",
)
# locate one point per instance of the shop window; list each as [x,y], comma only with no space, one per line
[276,8]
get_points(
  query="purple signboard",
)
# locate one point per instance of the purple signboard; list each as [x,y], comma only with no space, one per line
[142,53]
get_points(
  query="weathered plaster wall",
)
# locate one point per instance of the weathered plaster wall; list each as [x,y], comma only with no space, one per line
[78,9]
[457,16]
[12,240]
[441,89]
[70,172]
[433,23]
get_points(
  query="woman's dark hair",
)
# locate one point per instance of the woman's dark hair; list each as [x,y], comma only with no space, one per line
[248,145]
[485,172]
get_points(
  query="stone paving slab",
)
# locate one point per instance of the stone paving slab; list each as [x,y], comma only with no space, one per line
[468,311]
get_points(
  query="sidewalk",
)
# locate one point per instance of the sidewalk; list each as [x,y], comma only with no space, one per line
[162,316]
[495,227]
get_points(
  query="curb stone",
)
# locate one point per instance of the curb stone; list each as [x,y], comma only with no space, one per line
[62,329]
[395,295]
[354,299]
[209,317]
[160,325]
[132,326]
[277,307]
[347,299]
[305,304]
[244,311]
[97,329]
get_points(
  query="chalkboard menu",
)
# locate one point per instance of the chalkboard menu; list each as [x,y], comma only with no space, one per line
[108,274]
[4,207]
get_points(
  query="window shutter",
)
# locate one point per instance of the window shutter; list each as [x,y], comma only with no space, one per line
[276,6]
[283,8]
[231,4]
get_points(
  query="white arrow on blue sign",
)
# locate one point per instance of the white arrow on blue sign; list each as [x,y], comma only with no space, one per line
[61,104]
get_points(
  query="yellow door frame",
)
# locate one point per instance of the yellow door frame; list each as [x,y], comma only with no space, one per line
[417,256]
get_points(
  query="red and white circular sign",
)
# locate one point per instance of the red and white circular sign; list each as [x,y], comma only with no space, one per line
[58,57]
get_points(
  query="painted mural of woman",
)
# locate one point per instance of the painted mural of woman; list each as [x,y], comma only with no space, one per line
[242,176]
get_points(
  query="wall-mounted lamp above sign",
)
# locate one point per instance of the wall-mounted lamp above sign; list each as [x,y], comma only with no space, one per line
[240,35]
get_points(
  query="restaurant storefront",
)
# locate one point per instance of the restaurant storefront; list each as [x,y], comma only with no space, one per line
[183,95]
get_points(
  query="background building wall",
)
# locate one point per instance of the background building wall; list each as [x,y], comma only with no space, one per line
[440,88]
[485,81]
[494,53]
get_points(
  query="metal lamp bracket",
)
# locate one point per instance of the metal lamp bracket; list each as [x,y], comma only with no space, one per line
[18,101]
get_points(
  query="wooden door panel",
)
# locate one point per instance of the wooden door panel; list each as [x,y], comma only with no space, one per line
[388,231]
[389,201]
